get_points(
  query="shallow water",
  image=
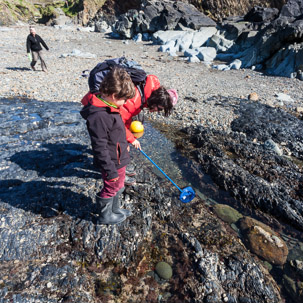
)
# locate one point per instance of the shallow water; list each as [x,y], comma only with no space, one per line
[180,169]
[176,166]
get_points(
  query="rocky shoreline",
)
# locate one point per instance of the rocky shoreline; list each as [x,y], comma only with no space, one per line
[48,184]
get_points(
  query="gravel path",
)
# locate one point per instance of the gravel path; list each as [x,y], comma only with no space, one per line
[206,95]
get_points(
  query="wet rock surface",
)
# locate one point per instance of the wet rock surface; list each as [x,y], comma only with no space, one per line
[241,163]
[263,241]
[48,225]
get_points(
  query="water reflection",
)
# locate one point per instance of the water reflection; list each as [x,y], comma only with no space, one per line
[179,168]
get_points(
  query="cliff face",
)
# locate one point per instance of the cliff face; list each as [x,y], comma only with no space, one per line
[218,9]
[90,8]
[27,10]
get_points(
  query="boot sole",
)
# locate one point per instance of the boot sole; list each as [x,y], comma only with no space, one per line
[111,223]
[130,174]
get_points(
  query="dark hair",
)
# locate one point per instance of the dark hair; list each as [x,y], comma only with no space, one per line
[118,82]
[160,99]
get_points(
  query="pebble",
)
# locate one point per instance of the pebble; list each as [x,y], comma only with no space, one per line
[253,97]
[49,285]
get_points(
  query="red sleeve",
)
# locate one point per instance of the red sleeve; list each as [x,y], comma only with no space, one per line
[129,136]
[152,83]
[131,108]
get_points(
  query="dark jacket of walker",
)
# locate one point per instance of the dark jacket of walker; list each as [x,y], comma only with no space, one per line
[107,133]
[33,43]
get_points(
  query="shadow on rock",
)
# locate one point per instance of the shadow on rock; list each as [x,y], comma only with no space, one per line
[19,68]
[57,160]
[47,199]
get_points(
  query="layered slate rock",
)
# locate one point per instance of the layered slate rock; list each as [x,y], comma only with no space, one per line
[160,15]
[276,44]
[242,163]
[261,14]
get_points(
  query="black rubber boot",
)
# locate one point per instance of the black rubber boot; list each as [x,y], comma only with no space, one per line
[117,205]
[129,181]
[130,170]
[106,215]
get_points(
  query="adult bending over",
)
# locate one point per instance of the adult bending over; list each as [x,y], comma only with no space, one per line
[156,98]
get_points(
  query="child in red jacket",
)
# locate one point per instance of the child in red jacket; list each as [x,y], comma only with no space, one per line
[108,139]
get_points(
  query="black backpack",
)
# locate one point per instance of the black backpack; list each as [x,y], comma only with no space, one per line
[136,72]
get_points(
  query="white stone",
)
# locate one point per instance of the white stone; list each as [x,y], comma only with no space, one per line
[162,37]
[191,52]
[284,97]
[168,46]
[219,43]
[200,37]
[49,285]
[221,67]
[207,54]
[193,59]
[184,42]
[236,64]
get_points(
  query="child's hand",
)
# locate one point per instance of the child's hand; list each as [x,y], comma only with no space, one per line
[114,180]
[136,144]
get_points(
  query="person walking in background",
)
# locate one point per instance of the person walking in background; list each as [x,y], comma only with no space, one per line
[108,139]
[34,49]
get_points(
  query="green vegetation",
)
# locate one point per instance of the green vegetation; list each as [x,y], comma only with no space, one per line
[48,11]
[43,10]
[73,8]
[14,10]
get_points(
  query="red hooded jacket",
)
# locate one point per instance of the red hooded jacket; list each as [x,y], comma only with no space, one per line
[132,107]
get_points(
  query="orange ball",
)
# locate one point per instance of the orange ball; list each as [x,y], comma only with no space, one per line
[136,127]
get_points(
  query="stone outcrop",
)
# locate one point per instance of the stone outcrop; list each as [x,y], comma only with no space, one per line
[165,15]
[263,241]
[264,39]
[274,45]
[269,181]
